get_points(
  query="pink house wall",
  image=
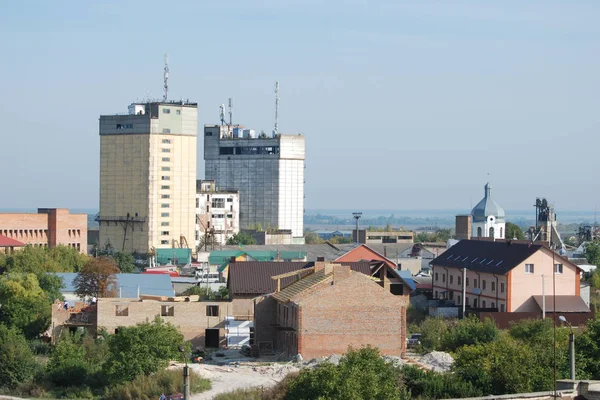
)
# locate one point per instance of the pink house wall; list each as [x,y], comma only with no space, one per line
[524,285]
[488,295]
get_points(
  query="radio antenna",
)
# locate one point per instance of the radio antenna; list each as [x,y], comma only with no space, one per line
[166,77]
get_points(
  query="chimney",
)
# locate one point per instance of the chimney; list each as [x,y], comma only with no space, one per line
[320,264]
[340,272]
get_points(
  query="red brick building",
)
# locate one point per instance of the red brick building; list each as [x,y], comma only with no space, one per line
[48,228]
[333,308]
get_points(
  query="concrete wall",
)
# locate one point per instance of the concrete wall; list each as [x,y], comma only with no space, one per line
[189,317]
[48,228]
[149,172]
[354,311]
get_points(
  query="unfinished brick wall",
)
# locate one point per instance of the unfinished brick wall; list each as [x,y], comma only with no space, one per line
[189,317]
[243,306]
[265,313]
[353,312]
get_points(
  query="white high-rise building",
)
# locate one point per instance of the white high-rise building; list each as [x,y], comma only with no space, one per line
[218,215]
[148,176]
[267,171]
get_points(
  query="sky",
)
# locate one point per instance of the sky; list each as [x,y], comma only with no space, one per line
[404,104]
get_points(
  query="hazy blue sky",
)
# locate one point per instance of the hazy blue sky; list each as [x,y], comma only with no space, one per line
[403,104]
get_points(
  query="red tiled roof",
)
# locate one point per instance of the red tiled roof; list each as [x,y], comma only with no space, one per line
[8,242]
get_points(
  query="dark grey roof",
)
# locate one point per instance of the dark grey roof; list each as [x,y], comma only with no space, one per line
[487,207]
[486,256]
[564,303]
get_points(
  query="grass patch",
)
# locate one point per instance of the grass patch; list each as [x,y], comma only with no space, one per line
[149,387]
[277,392]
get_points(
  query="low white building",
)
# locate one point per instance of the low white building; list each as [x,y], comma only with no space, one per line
[217,215]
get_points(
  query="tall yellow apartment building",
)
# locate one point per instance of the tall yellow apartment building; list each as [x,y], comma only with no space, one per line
[148,176]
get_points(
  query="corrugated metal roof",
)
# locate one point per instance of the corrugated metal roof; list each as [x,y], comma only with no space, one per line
[564,303]
[168,256]
[254,278]
[287,293]
[153,284]
[220,257]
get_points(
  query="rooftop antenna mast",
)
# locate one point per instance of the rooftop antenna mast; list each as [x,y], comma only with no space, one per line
[166,77]
[230,111]
[276,130]
[222,113]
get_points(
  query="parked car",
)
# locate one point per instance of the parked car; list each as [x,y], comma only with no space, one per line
[414,340]
[176,396]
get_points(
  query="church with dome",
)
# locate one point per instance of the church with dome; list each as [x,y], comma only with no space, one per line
[488,218]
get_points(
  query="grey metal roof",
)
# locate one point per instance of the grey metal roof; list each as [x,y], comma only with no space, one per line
[487,207]
[152,284]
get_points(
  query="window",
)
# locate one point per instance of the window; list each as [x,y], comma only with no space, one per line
[529,268]
[218,203]
[124,126]
[443,278]
[167,311]
[451,279]
[436,294]
[218,216]
[230,200]
[164,233]
[166,150]
[212,311]
[474,283]
[436,278]
[164,242]
[229,215]
[121,311]
[166,130]
[479,232]
[166,141]
[502,287]
[165,196]
[166,159]
[467,301]
[467,281]
[492,232]
[164,205]
[483,304]
[165,187]
[493,305]
[501,307]
[166,111]
[178,112]
[165,178]
[501,236]
[483,283]
[475,302]
[558,268]
[493,286]
[460,280]
[165,168]
[164,214]
[457,299]
[164,224]
[197,202]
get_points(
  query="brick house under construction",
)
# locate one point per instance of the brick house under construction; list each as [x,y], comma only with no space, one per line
[330,307]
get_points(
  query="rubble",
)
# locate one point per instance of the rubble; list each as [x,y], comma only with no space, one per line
[437,361]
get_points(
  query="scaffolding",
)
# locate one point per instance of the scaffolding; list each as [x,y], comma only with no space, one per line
[125,222]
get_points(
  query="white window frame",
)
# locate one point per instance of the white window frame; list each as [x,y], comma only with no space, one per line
[529,268]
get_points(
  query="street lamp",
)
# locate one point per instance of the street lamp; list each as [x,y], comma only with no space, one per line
[571,345]
[186,376]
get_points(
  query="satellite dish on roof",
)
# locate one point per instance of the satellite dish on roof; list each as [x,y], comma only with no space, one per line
[476,291]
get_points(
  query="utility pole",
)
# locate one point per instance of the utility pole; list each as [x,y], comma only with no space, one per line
[543,298]
[464,292]
[357,216]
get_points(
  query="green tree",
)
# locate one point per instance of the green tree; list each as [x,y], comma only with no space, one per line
[97,278]
[592,253]
[360,374]
[587,347]
[312,237]
[125,262]
[513,231]
[242,238]
[433,331]
[340,240]
[469,331]
[39,260]
[67,365]
[434,385]
[17,363]
[142,349]
[25,305]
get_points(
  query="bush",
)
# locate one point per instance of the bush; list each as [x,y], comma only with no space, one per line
[152,386]
[17,363]
[434,385]
[67,365]
[360,374]
[142,350]
[469,331]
